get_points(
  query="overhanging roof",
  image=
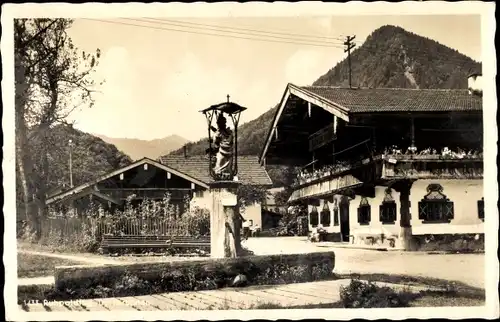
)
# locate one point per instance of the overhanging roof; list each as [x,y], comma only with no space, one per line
[85,186]
[376,100]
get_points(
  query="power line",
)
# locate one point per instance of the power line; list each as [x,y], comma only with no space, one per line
[259,38]
[216,35]
[228,31]
[247,29]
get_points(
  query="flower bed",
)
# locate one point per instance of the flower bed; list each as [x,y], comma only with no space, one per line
[79,282]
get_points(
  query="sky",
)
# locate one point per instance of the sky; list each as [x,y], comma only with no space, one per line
[157,79]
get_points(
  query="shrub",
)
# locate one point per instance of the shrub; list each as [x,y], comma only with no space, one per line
[66,231]
[361,294]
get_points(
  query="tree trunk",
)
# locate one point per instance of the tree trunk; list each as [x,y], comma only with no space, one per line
[24,165]
[232,238]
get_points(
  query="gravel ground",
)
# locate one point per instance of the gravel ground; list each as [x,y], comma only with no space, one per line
[466,268]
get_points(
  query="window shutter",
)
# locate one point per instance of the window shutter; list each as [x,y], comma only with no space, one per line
[394,215]
[359,216]
[422,211]
[480,208]
[449,210]
[368,214]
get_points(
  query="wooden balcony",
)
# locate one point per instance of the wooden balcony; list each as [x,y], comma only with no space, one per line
[431,167]
[382,168]
[324,186]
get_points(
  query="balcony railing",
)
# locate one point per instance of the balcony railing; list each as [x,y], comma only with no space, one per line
[332,170]
[146,193]
[322,137]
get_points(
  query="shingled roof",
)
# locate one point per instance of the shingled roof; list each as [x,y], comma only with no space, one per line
[369,100]
[196,166]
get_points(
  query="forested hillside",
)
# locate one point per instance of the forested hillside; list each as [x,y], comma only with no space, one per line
[394,57]
[251,136]
[91,157]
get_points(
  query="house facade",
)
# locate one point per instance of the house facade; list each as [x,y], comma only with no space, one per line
[250,172]
[185,180]
[393,167]
[143,179]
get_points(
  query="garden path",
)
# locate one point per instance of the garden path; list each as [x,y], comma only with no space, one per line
[77,258]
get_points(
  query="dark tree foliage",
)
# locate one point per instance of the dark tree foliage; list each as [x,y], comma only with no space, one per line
[91,157]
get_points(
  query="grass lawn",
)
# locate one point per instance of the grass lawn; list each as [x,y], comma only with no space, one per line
[422,299]
[36,265]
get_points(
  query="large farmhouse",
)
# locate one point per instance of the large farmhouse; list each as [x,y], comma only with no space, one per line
[398,167]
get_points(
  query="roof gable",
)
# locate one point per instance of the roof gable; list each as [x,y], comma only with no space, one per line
[196,166]
[111,174]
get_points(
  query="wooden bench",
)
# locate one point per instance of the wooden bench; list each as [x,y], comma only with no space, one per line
[187,241]
[145,241]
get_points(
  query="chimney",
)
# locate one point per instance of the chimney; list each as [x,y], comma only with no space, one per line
[185,150]
[475,84]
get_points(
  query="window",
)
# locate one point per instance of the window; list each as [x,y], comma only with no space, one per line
[199,193]
[387,211]
[335,214]
[435,207]
[313,217]
[364,212]
[480,208]
[325,219]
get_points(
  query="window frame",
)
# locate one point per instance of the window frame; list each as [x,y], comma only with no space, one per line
[314,212]
[336,219]
[364,212]
[325,211]
[435,199]
[388,204]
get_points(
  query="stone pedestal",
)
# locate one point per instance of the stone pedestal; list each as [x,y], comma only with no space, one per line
[225,220]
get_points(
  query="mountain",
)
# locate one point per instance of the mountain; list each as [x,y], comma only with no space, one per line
[395,58]
[153,149]
[390,57]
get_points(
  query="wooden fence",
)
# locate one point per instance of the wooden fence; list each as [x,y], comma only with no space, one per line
[119,226]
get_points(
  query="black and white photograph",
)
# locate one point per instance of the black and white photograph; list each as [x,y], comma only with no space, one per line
[249,160]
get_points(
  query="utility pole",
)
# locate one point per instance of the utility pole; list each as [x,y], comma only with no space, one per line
[70,164]
[348,43]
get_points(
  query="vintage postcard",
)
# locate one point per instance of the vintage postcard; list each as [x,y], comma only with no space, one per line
[244,161]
